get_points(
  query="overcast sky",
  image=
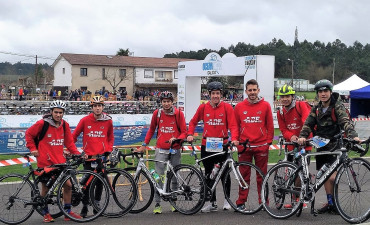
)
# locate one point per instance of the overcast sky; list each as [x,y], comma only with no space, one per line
[153,28]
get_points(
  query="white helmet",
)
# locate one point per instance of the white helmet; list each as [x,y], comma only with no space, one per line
[58,104]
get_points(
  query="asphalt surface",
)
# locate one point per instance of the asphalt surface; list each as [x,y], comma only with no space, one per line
[224,217]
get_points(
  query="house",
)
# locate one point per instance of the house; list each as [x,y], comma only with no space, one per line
[107,72]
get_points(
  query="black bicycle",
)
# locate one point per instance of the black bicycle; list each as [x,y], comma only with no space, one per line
[351,185]
[122,186]
[21,194]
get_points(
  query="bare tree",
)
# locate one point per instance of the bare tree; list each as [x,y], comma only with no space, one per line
[115,76]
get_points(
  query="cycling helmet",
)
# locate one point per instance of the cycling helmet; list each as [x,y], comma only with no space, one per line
[58,104]
[166,94]
[286,90]
[214,86]
[97,100]
[323,84]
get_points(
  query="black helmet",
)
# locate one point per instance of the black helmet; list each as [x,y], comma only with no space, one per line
[166,94]
[323,84]
[214,86]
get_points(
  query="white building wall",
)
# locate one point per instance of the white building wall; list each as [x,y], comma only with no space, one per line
[60,78]
[140,79]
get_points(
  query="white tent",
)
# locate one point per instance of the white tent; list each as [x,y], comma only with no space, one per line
[352,83]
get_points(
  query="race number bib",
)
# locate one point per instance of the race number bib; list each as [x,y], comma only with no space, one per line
[214,144]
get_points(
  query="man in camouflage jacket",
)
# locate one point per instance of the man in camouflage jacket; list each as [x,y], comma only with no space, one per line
[326,120]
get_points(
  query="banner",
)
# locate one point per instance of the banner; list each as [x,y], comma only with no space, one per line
[12,141]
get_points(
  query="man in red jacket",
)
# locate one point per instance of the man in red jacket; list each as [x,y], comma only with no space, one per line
[49,150]
[98,138]
[170,124]
[291,118]
[254,118]
[218,118]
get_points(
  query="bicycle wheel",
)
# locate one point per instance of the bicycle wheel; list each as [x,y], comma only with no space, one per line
[145,191]
[279,188]
[92,194]
[187,188]
[124,194]
[351,191]
[53,207]
[238,192]
[15,193]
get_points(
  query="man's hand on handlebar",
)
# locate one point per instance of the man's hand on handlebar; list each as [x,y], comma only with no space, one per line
[302,141]
[190,138]
[294,138]
[235,142]
[141,149]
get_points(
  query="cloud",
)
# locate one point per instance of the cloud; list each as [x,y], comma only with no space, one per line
[154,28]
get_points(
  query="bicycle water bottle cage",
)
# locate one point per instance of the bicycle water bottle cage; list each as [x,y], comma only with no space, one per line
[319,142]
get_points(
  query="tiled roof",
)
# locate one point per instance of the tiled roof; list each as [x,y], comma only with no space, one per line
[123,61]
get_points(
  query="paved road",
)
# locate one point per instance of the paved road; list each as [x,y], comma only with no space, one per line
[221,217]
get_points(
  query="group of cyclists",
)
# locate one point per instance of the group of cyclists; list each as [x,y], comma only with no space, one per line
[251,120]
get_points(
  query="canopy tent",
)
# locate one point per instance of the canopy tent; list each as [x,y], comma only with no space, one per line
[352,83]
[360,102]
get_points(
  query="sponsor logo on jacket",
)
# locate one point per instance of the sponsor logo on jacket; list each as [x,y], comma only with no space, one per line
[96,134]
[167,130]
[215,122]
[56,142]
[252,119]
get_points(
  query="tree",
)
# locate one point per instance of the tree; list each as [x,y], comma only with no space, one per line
[123,52]
[114,76]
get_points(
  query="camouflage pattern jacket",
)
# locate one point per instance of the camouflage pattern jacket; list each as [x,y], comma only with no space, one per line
[322,124]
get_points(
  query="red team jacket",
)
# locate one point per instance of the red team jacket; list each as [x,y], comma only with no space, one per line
[97,134]
[291,120]
[255,122]
[51,146]
[169,126]
[217,121]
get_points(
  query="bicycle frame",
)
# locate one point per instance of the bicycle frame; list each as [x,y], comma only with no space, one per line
[141,166]
[228,162]
[341,156]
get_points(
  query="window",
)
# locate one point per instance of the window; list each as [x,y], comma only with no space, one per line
[122,73]
[148,73]
[64,70]
[83,88]
[176,74]
[161,74]
[83,71]
[103,74]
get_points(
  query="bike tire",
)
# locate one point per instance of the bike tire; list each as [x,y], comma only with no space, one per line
[187,189]
[124,195]
[79,196]
[277,188]
[13,211]
[145,191]
[352,203]
[251,197]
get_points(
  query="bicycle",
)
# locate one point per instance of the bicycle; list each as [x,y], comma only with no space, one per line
[239,174]
[183,185]
[122,186]
[21,195]
[352,179]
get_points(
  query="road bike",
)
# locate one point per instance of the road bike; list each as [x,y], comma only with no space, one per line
[351,185]
[242,176]
[21,194]
[183,185]
[122,186]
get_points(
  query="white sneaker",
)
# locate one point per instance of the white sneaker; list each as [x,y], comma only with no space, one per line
[227,206]
[211,207]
